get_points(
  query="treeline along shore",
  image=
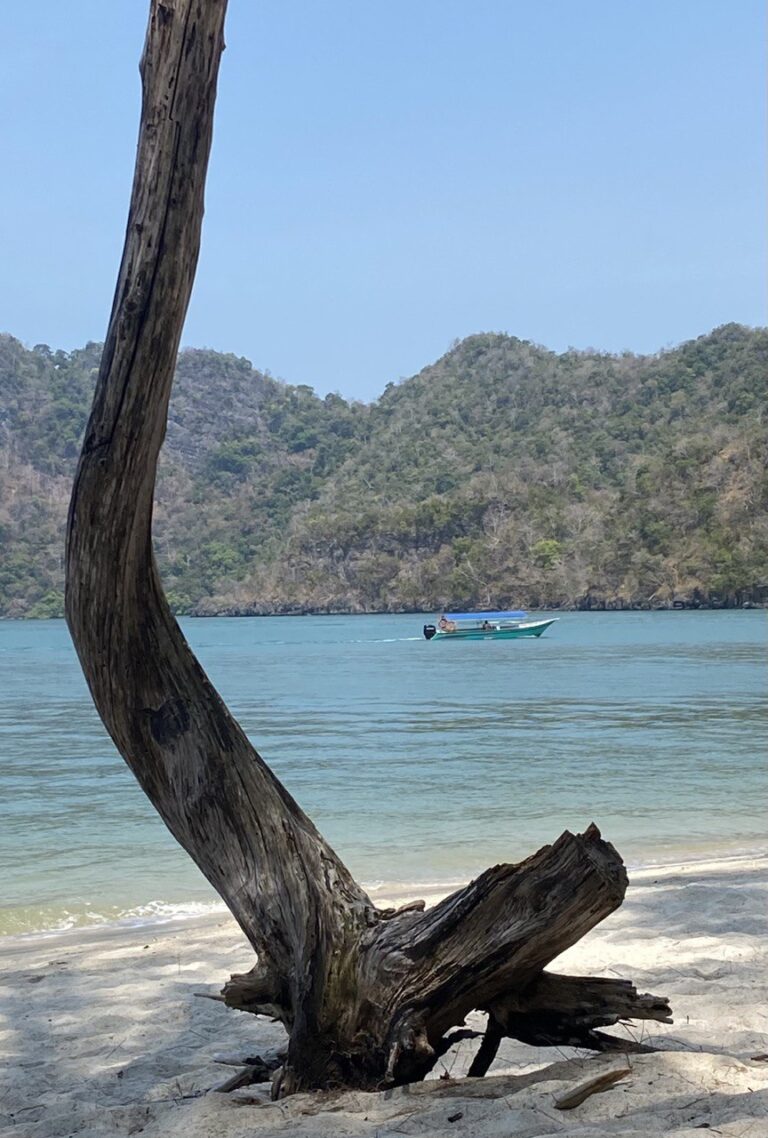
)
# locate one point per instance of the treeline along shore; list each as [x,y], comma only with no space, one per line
[504,474]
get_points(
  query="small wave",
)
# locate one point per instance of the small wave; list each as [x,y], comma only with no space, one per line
[28,921]
[23,921]
[692,857]
[386,890]
[159,912]
[392,640]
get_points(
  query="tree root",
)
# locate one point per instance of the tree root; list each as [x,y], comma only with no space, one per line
[412,976]
[565,1011]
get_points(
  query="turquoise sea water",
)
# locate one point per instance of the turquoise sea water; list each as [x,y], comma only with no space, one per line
[420,762]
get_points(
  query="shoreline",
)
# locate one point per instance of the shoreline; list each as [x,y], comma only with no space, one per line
[608,607]
[382,893]
[102,1033]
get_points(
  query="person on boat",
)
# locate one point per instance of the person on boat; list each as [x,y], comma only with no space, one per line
[487,626]
[446,625]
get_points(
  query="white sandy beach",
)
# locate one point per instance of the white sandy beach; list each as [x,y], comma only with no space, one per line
[101,1033]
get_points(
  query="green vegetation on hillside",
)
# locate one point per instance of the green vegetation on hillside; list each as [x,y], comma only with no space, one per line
[504,474]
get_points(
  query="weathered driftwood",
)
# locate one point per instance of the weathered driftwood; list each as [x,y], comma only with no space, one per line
[368,998]
[582,1092]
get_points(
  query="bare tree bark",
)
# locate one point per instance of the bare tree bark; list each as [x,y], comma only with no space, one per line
[368,997]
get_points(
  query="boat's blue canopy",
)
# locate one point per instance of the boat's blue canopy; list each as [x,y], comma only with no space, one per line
[519,615]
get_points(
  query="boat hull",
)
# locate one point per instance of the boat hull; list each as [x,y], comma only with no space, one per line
[526,629]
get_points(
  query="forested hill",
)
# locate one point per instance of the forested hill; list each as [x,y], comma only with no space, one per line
[504,474]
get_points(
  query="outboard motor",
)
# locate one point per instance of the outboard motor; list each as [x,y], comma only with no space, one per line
[429,631]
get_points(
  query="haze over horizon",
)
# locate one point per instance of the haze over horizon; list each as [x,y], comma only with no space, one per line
[385,182]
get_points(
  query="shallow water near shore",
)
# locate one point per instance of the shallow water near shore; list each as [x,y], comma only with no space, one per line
[422,763]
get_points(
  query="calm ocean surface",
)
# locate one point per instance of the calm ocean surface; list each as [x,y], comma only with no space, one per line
[421,763]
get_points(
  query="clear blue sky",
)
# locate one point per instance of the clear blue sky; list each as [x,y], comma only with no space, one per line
[389,176]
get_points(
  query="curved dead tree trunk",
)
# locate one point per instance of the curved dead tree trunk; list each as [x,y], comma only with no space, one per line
[368,997]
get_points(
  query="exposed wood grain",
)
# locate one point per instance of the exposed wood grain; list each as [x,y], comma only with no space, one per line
[282,881]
